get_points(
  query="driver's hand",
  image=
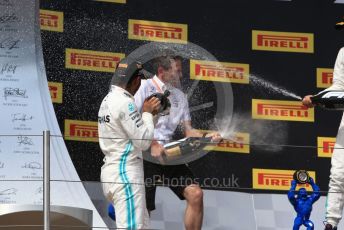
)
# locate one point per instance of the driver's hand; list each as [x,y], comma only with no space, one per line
[306,101]
[151,105]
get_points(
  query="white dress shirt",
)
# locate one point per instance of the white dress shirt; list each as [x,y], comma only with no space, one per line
[179,112]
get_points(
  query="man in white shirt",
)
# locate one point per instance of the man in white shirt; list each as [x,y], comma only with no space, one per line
[167,71]
[123,134]
[335,196]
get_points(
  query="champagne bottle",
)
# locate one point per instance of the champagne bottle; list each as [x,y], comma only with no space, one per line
[164,101]
[333,100]
[189,145]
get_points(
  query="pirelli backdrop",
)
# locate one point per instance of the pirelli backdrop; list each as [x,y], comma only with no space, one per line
[260,45]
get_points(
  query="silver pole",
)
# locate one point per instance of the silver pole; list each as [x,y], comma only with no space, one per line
[46,179]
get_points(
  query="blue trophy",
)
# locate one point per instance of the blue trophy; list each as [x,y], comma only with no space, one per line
[302,202]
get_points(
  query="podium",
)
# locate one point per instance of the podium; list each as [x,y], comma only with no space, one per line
[61,217]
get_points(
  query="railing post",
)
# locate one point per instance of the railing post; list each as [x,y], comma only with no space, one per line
[46,179]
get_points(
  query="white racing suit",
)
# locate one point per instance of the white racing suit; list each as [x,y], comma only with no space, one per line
[123,134]
[335,197]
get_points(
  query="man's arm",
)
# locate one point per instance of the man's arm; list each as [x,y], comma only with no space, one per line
[140,129]
[316,190]
[291,193]
[189,131]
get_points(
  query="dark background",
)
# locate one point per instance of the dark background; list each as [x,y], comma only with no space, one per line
[224,29]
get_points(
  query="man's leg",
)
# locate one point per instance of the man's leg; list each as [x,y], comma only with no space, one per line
[194,208]
[335,199]
[189,191]
[152,174]
[116,193]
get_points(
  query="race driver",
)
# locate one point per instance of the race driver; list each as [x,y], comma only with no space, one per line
[123,134]
[335,196]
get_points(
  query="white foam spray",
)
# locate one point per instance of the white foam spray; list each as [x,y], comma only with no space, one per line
[266,135]
[269,136]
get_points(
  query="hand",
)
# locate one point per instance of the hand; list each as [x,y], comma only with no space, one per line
[306,101]
[151,105]
[157,150]
[293,183]
[311,181]
[215,136]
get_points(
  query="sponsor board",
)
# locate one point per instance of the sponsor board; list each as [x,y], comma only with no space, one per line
[56,90]
[51,20]
[76,130]
[282,41]
[324,77]
[326,146]
[157,31]
[273,179]
[219,71]
[239,143]
[281,110]
[92,60]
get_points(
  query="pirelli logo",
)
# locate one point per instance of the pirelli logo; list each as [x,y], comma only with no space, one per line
[55,89]
[112,1]
[281,110]
[239,143]
[92,60]
[219,71]
[326,146]
[51,20]
[81,130]
[324,77]
[282,41]
[276,179]
[158,31]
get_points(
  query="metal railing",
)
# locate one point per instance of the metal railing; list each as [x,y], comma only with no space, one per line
[47,180]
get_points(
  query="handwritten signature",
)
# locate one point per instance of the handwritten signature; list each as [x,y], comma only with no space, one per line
[32,165]
[9,43]
[24,140]
[21,117]
[8,68]
[10,191]
[14,92]
[9,18]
